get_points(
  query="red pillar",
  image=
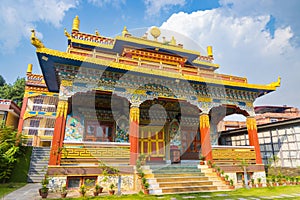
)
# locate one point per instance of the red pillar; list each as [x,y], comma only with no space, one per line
[205,136]
[23,110]
[134,134]
[59,133]
[253,137]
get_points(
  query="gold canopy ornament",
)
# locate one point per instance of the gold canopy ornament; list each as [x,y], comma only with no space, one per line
[275,84]
[35,41]
[66,33]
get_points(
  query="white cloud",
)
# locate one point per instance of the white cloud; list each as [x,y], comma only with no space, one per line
[243,47]
[18,17]
[101,3]
[154,7]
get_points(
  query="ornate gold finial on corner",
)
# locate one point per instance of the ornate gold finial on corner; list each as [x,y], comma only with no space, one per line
[29,69]
[210,52]
[66,33]
[97,32]
[276,84]
[35,41]
[173,41]
[125,31]
[76,24]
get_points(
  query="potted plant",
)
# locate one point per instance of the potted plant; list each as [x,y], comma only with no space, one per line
[222,175]
[63,191]
[231,186]
[287,180]
[202,159]
[144,181]
[227,179]
[259,182]
[209,163]
[213,166]
[252,183]
[297,181]
[44,189]
[146,188]
[82,190]
[292,180]
[112,187]
[98,189]
[274,181]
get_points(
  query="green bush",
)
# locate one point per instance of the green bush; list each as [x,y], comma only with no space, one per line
[10,150]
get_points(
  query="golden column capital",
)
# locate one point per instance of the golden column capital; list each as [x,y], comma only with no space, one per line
[62,109]
[134,114]
[251,123]
[204,120]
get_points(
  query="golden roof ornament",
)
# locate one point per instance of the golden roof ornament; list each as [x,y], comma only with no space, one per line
[76,24]
[125,32]
[35,41]
[29,69]
[97,33]
[155,32]
[276,84]
[66,33]
[173,41]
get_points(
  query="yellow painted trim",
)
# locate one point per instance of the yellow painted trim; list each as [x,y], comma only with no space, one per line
[152,71]
[206,63]
[96,44]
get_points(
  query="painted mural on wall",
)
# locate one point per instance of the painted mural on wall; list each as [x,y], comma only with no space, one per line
[122,130]
[175,135]
[74,128]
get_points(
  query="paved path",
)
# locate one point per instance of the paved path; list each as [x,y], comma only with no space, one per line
[28,192]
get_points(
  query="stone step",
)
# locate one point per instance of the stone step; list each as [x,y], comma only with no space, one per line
[181,179]
[185,184]
[174,190]
[184,175]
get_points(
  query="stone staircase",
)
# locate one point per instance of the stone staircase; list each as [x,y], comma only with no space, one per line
[38,164]
[182,178]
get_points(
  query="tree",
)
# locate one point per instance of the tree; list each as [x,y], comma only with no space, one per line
[14,92]
[243,165]
[10,143]
[2,81]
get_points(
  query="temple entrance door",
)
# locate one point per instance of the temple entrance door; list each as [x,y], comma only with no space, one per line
[152,144]
[191,144]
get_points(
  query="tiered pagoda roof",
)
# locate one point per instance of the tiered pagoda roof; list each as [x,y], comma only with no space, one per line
[138,55]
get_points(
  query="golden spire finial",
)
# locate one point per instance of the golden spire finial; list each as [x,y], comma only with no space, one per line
[66,33]
[97,32]
[76,24]
[29,69]
[275,84]
[173,41]
[35,41]
[125,31]
[209,51]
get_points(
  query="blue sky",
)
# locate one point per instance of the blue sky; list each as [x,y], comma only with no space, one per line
[254,39]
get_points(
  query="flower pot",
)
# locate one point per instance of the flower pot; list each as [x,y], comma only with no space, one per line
[231,187]
[202,162]
[95,193]
[227,182]
[146,191]
[100,190]
[63,195]
[43,193]
[111,192]
[260,185]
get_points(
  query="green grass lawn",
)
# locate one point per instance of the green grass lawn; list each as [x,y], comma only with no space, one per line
[239,193]
[9,187]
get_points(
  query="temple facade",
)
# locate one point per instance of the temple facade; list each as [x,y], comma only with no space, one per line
[122,97]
